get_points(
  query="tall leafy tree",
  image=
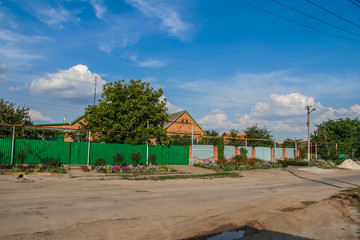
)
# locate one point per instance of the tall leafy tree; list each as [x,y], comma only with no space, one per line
[135,108]
[337,131]
[234,140]
[211,137]
[12,114]
[256,132]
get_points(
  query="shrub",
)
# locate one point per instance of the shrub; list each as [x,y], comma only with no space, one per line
[135,157]
[53,163]
[153,159]
[60,170]
[118,159]
[243,152]
[21,156]
[99,162]
[36,169]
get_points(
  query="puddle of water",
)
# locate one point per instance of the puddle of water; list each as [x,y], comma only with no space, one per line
[229,235]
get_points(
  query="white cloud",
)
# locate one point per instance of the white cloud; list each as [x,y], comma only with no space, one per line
[37,116]
[169,17]
[171,108]
[76,82]
[100,8]
[53,16]
[284,115]
[356,109]
[18,88]
[284,105]
[14,45]
[150,63]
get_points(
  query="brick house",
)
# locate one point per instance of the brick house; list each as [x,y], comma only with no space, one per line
[181,123]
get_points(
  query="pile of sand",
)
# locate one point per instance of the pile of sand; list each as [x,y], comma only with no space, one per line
[350,164]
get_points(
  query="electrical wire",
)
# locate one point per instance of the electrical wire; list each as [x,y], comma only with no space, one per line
[336,15]
[315,18]
[355,3]
[299,23]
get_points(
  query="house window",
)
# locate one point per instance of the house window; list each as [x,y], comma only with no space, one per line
[187,121]
[182,121]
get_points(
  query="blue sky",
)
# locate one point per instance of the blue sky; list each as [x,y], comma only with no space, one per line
[228,64]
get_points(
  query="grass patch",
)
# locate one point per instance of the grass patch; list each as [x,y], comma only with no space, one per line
[354,195]
[353,190]
[308,203]
[169,177]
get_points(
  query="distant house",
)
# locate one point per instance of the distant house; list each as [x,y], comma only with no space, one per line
[239,135]
[228,135]
[75,124]
[181,123]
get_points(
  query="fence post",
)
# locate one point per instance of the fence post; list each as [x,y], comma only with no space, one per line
[296,150]
[274,150]
[88,158]
[192,144]
[12,146]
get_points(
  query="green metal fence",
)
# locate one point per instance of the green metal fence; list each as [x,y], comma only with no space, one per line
[76,153]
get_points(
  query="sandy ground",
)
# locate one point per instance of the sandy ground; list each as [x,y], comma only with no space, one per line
[270,201]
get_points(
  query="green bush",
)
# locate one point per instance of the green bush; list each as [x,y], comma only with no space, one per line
[99,162]
[153,159]
[21,156]
[60,170]
[118,159]
[53,163]
[135,157]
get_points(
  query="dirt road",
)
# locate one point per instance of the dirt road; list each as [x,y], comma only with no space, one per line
[83,208]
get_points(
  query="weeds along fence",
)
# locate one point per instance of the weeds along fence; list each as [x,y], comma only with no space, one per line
[17,150]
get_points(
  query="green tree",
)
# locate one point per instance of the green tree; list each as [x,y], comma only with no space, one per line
[211,137]
[234,140]
[255,132]
[180,140]
[135,108]
[12,114]
[341,130]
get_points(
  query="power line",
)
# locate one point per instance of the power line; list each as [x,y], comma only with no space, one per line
[315,18]
[317,5]
[355,3]
[299,23]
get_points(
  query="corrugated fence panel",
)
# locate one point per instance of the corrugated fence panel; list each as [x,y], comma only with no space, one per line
[203,151]
[38,151]
[263,153]
[278,153]
[175,155]
[79,153]
[76,153]
[108,150]
[290,152]
[229,151]
[5,151]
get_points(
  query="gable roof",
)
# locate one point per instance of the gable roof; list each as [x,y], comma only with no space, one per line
[173,117]
[63,124]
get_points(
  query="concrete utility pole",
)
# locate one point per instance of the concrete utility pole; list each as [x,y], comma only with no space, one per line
[308,125]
